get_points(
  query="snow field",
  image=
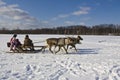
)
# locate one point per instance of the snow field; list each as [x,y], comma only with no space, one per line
[97,58]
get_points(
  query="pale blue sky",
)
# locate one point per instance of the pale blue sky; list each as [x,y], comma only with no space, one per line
[27,14]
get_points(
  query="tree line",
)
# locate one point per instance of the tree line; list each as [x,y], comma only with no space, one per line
[102,29]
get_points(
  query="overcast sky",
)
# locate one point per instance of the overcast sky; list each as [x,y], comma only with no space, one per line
[31,14]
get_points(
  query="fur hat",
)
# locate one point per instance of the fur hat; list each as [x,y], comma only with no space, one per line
[15,35]
[26,36]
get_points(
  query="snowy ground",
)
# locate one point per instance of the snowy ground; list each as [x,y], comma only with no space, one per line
[97,58]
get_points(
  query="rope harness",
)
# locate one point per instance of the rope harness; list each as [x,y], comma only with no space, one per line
[39,42]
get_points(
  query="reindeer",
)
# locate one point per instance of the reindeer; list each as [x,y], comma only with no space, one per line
[73,41]
[62,42]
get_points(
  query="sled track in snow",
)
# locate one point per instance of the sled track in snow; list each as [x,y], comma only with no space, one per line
[115,72]
[71,66]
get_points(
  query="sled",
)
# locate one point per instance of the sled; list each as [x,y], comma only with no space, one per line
[26,49]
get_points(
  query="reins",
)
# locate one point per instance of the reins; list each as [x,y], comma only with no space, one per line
[38,41]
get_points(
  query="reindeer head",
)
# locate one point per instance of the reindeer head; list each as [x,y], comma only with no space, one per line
[80,38]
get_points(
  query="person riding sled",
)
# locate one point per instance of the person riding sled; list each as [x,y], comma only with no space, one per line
[28,43]
[13,42]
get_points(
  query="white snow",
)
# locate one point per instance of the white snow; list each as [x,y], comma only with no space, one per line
[97,58]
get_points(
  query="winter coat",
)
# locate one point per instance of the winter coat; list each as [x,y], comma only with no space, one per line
[28,42]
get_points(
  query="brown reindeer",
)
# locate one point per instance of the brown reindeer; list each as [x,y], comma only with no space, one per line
[62,42]
[73,41]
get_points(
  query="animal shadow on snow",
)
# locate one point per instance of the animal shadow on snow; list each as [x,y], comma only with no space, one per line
[86,51]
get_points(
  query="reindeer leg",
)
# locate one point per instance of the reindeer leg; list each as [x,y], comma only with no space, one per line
[74,47]
[58,49]
[65,49]
[67,46]
[55,48]
[50,49]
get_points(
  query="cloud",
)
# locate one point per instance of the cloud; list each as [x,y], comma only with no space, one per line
[46,22]
[63,15]
[2,3]
[60,16]
[13,12]
[82,11]
[74,23]
[69,22]
[11,16]
[82,23]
